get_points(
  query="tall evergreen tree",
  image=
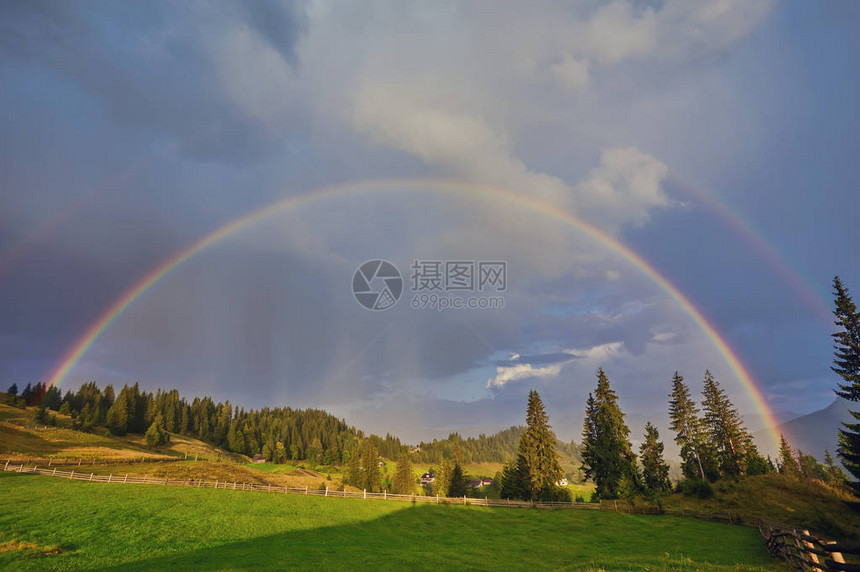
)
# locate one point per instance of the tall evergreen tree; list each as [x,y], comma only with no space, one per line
[404,480]
[13,390]
[787,462]
[846,364]
[835,475]
[608,457]
[689,433]
[515,480]
[725,427]
[655,471]
[537,448]
[370,467]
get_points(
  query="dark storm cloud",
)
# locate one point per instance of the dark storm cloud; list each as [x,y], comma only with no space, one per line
[154,64]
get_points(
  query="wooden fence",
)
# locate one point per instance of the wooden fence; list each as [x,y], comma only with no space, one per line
[805,551]
[89,461]
[84,475]
[798,547]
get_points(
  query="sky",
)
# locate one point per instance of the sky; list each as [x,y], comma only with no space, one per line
[716,140]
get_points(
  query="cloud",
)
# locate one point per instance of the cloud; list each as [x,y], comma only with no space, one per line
[507,374]
[514,357]
[624,188]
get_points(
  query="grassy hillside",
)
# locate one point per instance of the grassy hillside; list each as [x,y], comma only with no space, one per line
[807,503]
[95,526]
[19,439]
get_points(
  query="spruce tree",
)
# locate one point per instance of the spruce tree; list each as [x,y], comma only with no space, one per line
[13,390]
[156,435]
[689,434]
[835,475]
[655,471]
[404,480]
[787,462]
[515,480]
[725,427]
[846,364]
[370,467]
[458,485]
[537,448]
[608,457]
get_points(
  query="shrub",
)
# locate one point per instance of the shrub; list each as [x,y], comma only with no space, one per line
[696,488]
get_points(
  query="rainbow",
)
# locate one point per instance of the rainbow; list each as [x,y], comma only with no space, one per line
[86,340]
[743,229]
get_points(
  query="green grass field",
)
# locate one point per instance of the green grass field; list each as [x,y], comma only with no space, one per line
[54,524]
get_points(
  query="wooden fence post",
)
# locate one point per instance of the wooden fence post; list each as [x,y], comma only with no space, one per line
[306,489]
[110,476]
[810,546]
[326,490]
[6,466]
[125,480]
[835,556]
[437,498]
[365,494]
[91,477]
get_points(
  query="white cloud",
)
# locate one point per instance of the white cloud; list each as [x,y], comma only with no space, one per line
[507,374]
[623,188]
[571,72]
[514,357]
[599,353]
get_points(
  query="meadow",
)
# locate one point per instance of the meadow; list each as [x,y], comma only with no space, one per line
[53,524]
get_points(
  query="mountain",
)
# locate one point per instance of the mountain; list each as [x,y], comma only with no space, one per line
[814,432]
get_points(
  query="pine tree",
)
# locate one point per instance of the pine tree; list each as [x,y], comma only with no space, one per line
[787,462]
[404,480]
[13,390]
[353,471]
[156,435]
[537,448]
[846,364]
[515,480]
[459,484]
[725,427]
[655,471]
[370,467]
[442,481]
[689,434]
[608,457]
[835,475]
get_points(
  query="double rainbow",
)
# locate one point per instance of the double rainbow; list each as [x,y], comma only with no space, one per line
[86,340]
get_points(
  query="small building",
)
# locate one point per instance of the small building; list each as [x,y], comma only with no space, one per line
[486,482]
[562,482]
[475,484]
[258,458]
[428,479]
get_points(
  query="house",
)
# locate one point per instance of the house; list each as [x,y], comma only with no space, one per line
[258,458]
[562,482]
[427,479]
[415,450]
[475,484]
[486,482]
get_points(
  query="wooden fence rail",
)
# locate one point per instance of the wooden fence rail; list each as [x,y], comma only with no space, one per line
[805,551]
[83,475]
[81,461]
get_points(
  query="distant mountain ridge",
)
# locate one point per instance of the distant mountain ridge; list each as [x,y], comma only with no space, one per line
[814,432]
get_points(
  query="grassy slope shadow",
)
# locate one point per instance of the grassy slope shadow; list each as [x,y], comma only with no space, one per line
[126,527]
[424,537]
